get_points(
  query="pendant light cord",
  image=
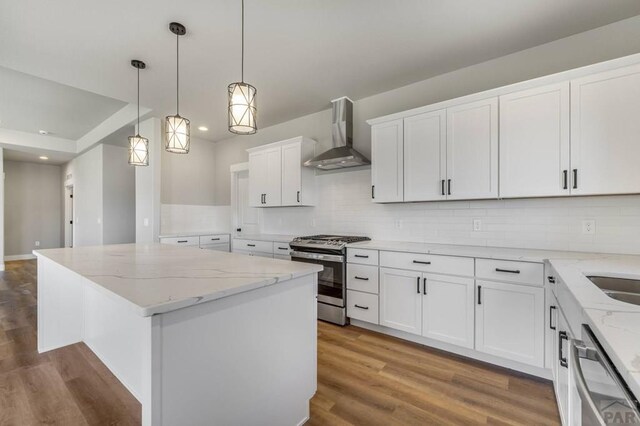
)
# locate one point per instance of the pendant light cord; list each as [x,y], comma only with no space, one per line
[242,61]
[178,74]
[138,132]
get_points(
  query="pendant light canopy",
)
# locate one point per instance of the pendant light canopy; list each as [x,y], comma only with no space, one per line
[177,129]
[242,100]
[138,146]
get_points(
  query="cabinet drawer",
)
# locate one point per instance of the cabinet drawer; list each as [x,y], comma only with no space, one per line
[213,239]
[362,306]
[451,265]
[253,246]
[362,256]
[215,247]
[182,241]
[282,249]
[508,270]
[362,278]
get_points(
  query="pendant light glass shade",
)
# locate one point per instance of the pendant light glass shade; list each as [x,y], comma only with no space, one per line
[242,100]
[138,150]
[138,146]
[177,129]
[177,134]
[242,109]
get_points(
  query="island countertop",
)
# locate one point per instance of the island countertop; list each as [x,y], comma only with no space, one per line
[159,278]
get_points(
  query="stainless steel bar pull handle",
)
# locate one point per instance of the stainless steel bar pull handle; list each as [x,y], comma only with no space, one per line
[581,384]
[551,309]
[563,360]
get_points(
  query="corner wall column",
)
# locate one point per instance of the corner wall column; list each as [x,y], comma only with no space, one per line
[148,185]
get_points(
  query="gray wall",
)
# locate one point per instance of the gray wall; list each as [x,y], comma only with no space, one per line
[608,42]
[33,207]
[87,198]
[189,179]
[119,194]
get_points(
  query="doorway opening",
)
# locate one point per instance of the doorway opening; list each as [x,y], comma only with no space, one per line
[246,219]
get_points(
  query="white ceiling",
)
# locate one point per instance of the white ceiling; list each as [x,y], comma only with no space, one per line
[30,104]
[33,156]
[300,53]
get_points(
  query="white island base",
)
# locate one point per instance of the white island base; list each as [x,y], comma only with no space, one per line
[245,359]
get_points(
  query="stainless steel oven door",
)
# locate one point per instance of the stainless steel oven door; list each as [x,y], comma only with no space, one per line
[331,280]
[604,397]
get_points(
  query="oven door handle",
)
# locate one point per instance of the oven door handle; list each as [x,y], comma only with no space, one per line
[317,256]
[575,347]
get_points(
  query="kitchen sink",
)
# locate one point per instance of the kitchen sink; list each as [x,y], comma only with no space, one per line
[622,289]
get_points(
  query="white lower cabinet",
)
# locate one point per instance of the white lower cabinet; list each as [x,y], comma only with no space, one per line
[362,306]
[510,321]
[401,300]
[447,309]
[439,307]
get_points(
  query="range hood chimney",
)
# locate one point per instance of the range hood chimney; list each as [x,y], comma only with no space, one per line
[342,155]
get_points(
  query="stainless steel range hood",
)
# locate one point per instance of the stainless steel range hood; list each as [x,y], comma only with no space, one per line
[342,155]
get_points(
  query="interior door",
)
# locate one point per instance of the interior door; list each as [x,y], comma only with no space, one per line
[291,174]
[534,142]
[604,132]
[401,300]
[247,217]
[387,162]
[510,321]
[425,153]
[448,309]
[472,150]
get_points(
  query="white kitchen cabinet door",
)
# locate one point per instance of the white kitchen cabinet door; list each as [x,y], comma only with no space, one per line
[510,321]
[298,182]
[534,142]
[291,174]
[258,171]
[387,162]
[472,150]
[425,156]
[561,380]
[605,124]
[448,309]
[273,187]
[401,300]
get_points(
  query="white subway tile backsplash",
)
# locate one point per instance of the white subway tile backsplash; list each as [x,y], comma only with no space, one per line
[344,207]
[176,218]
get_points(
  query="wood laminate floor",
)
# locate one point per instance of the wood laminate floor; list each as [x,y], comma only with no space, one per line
[364,378]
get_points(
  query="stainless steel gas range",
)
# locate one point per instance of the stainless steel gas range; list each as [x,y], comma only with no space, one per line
[329,251]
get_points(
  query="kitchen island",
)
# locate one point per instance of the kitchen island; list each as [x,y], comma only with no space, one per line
[198,337]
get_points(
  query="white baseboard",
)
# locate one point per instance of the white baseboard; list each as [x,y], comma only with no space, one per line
[19,257]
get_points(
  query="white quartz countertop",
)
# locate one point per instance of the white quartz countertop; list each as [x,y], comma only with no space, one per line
[616,324]
[503,253]
[265,237]
[192,234]
[158,278]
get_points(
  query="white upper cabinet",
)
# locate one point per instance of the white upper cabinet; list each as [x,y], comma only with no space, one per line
[298,182]
[425,156]
[257,178]
[605,132]
[472,150]
[387,162]
[277,176]
[534,142]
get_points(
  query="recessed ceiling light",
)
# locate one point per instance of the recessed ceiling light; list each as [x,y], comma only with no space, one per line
[44,157]
[43,132]
[203,128]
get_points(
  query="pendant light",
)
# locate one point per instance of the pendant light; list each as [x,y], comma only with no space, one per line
[242,101]
[138,146]
[176,128]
